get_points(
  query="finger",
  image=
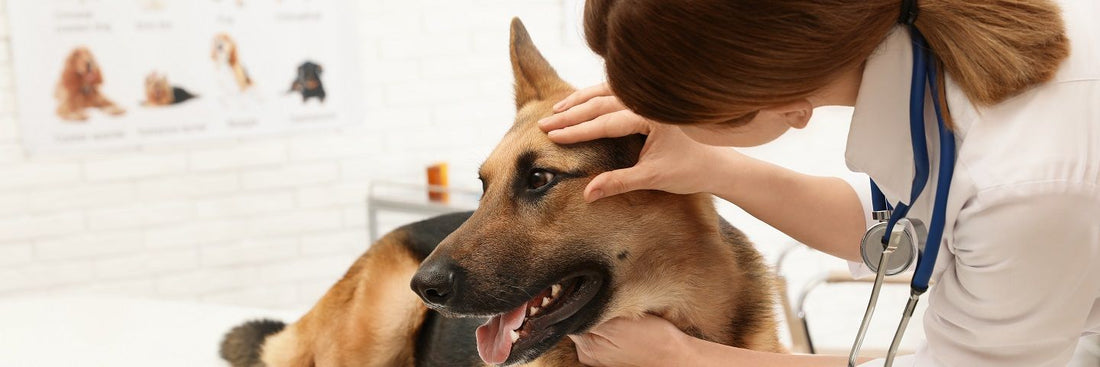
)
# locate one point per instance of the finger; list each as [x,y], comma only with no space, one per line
[612,125]
[584,350]
[582,96]
[586,111]
[616,182]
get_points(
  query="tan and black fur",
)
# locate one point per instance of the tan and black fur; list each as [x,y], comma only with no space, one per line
[636,253]
[159,92]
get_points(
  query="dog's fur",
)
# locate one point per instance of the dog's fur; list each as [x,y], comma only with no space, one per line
[646,251]
[224,52]
[159,92]
[308,82]
[78,88]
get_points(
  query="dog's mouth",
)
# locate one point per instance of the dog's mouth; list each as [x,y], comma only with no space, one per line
[509,338]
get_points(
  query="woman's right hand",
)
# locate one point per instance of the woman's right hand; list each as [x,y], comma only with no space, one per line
[670,161]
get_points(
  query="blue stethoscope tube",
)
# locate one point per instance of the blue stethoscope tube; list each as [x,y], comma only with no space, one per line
[924,74]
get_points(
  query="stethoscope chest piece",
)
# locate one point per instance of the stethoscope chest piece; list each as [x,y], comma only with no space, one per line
[913,235]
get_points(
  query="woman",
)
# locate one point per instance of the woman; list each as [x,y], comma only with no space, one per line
[1018,279]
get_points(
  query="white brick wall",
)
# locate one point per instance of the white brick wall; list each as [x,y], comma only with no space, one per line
[270,221]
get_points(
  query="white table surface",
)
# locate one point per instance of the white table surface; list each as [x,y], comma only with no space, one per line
[88,331]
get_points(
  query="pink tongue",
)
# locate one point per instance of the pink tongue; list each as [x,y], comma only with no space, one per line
[494,341]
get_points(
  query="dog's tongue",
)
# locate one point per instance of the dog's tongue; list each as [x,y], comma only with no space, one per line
[494,341]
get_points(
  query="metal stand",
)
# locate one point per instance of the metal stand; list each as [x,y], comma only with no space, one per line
[413,199]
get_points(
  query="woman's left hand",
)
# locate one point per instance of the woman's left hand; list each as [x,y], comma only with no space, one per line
[649,341]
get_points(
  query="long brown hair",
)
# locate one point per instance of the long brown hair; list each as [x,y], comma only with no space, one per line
[721,61]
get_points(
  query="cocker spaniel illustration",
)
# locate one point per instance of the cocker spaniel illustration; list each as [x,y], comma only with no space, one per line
[78,88]
[158,92]
[308,82]
[231,73]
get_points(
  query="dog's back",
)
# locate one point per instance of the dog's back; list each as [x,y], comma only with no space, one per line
[421,335]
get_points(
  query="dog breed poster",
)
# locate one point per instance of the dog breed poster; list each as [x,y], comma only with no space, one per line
[124,73]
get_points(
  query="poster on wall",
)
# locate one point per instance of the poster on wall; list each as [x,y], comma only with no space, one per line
[94,74]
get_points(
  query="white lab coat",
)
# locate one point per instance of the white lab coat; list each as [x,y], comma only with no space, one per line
[1017,282]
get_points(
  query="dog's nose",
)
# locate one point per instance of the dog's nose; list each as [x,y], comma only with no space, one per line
[437,281]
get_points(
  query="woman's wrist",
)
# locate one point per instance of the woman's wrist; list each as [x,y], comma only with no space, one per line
[683,350]
[699,352]
[732,175]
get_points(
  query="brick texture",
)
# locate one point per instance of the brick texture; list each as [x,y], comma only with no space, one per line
[270,221]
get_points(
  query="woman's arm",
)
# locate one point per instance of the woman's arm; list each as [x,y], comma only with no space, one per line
[653,341]
[822,212]
[704,353]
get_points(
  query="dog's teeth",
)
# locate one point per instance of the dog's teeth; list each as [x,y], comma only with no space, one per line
[545,301]
[554,290]
[534,311]
[514,335]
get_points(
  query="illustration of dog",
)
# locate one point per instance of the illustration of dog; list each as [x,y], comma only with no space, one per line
[158,92]
[506,283]
[232,75]
[308,82]
[78,88]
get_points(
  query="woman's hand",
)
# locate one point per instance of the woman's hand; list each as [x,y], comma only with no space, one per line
[670,161]
[649,341]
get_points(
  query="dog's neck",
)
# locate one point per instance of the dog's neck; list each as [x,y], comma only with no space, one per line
[691,296]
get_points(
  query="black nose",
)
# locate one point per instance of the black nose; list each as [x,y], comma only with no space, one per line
[437,281]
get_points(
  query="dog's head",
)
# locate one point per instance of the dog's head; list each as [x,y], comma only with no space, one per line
[224,49]
[157,89]
[81,71]
[309,75]
[535,257]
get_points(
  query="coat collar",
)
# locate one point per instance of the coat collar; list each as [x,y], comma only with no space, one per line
[878,140]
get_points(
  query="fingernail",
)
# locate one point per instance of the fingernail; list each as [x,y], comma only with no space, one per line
[542,121]
[557,107]
[553,133]
[597,194]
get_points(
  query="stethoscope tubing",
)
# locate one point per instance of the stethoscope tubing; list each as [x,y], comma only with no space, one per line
[924,74]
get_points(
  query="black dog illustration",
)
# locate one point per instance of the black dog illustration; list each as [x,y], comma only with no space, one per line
[308,82]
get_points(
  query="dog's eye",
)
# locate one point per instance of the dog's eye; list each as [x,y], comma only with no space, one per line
[539,179]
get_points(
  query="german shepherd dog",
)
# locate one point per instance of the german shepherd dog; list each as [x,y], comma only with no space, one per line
[532,264]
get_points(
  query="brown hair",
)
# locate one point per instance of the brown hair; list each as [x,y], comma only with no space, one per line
[720,61]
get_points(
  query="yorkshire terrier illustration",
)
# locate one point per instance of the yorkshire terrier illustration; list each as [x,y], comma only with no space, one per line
[158,92]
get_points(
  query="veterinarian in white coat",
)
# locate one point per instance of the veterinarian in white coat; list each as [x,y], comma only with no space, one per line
[1017,282]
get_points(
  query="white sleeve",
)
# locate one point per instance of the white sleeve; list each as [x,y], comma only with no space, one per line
[862,185]
[1022,282]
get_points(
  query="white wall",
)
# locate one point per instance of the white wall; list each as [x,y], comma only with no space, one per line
[269,221]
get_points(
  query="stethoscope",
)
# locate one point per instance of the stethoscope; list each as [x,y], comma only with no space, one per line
[890,246]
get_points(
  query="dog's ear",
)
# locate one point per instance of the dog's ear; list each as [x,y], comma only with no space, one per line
[535,78]
[70,77]
[97,74]
[232,45]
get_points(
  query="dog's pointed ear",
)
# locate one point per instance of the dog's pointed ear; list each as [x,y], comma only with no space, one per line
[535,78]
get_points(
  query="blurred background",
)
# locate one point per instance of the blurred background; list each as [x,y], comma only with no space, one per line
[103,247]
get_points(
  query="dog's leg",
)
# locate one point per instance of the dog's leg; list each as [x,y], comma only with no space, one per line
[67,111]
[369,318]
[109,107]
